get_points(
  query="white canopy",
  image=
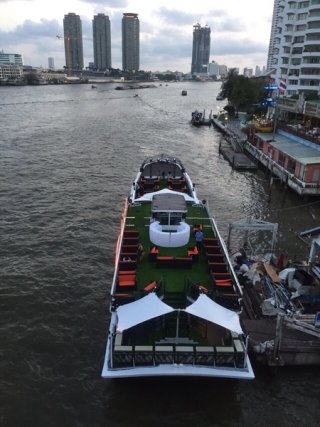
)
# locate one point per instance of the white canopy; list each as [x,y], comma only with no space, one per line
[207,309]
[148,196]
[139,311]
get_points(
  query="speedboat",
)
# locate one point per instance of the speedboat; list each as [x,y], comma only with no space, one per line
[175,298]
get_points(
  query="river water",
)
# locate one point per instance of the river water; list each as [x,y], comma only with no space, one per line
[68,156]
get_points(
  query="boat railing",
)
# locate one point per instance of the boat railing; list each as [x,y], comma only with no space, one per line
[129,356]
[225,250]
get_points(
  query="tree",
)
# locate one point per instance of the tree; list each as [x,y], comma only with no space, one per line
[243,91]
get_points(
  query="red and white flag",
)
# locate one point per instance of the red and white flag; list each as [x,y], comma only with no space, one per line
[282,85]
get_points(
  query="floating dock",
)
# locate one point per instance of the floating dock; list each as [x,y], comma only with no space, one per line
[232,147]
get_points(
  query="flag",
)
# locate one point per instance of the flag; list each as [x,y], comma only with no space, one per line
[282,85]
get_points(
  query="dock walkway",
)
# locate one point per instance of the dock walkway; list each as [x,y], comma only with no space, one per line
[232,146]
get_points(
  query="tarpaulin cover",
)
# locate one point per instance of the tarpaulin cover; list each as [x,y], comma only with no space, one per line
[209,310]
[139,311]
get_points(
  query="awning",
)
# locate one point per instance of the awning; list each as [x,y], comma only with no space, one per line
[139,311]
[209,310]
[149,196]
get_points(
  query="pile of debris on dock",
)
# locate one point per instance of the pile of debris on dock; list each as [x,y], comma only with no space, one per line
[281,305]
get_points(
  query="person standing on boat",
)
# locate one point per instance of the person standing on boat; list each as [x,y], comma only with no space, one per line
[140,252]
[199,239]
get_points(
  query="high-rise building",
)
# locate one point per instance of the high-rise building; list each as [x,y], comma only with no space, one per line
[274,36]
[200,49]
[101,42]
[73,46]
[130,42]
[296,46]
[51,63]
[247,72]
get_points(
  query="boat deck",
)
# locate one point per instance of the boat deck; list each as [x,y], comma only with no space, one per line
[176,272]
[177,323]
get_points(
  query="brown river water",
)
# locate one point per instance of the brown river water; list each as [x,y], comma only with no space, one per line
[68,157]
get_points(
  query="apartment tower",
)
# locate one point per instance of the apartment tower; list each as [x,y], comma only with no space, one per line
[73,46]
[200,49]
[130,42]
[101,42]
[295,47]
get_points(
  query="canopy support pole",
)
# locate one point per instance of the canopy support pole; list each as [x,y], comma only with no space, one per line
[177,325]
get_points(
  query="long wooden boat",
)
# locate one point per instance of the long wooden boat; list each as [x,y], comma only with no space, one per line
[174,307]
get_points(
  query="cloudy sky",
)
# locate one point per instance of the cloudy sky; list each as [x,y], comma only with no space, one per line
[240,30]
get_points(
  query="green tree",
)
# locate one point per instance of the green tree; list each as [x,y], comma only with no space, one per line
[243,91]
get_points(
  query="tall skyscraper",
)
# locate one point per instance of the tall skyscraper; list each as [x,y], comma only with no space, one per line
[101,42]
[73,46]
[273,49]
[130,42]
[200,49]
[295,46]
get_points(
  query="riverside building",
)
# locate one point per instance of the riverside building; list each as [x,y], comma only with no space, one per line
[130,42]
[294,50]
[10,58]
[101,42]
[72,29]
[200,49]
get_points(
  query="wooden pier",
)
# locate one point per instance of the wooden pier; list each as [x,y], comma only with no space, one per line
[231,147]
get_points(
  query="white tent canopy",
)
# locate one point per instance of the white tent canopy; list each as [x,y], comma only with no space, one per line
[207,309]
[139,311]
[149,196]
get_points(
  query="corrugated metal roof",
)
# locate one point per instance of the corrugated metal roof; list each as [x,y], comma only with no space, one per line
[304,154]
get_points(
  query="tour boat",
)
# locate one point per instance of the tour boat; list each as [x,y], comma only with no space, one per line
[175,298]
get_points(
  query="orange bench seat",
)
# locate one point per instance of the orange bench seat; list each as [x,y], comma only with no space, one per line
[152,285]
[127,280]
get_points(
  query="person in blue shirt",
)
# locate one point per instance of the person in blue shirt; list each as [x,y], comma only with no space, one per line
[199,239]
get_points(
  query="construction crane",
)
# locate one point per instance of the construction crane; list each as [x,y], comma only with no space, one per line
[68,40]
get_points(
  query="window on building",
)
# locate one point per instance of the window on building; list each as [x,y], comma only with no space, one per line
[281,159]
[299,39]
[315,175]
[291,165]
[297,50]
[303,4]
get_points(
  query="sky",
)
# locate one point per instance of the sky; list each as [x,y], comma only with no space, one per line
[240,30]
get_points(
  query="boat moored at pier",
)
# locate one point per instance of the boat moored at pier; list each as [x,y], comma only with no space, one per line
[175,298]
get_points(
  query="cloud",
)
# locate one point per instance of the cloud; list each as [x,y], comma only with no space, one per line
[241,46]
[175,17]
[30,29]
[112,4]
